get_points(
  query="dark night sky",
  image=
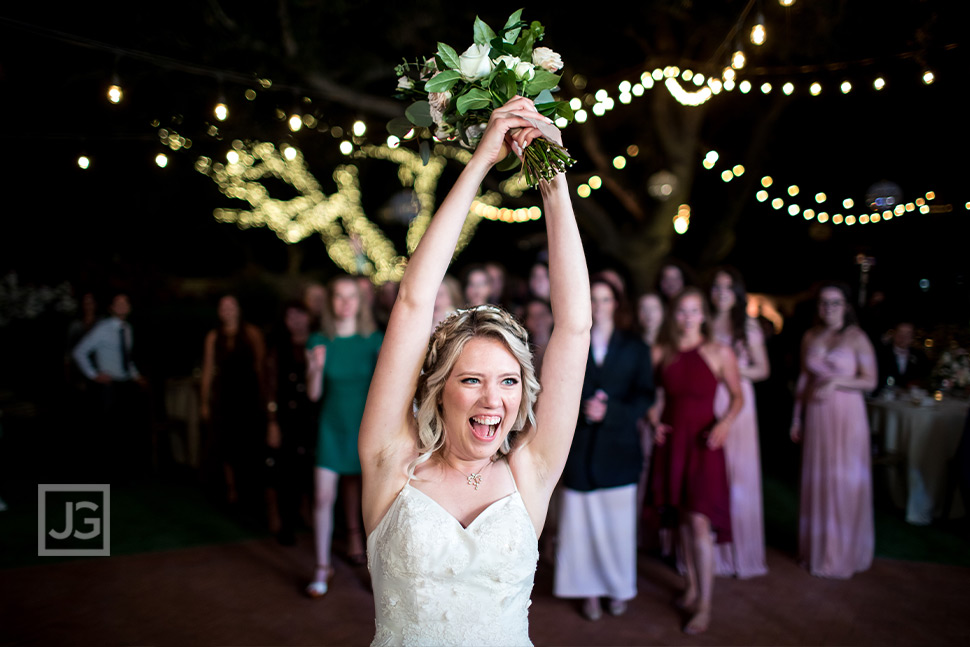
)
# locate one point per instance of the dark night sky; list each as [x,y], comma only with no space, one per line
[126,216]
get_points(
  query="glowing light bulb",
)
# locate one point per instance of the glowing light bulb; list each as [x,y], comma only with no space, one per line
[879,83]
[360,128]
[788,88]
[221,111]
[115,94]
[161,160]
[928,77]
[295,122]
[815,89]
[737,59]
[758,34]
[84,162]
[846,87]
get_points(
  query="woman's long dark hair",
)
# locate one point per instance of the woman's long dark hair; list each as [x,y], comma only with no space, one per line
[621,314]
[739,311]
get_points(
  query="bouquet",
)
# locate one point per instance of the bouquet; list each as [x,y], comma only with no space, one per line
[455,94]
[952,371]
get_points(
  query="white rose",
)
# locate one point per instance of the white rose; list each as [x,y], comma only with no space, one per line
[523,70]
[405,83]
[546,59]
[475,63]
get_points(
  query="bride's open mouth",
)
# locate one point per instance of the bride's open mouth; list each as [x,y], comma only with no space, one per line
[485,427]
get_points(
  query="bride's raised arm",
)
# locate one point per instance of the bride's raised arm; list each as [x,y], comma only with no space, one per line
[387,434]
[564,364]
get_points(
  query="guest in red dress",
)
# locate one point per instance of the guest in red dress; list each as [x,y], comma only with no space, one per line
[689,480]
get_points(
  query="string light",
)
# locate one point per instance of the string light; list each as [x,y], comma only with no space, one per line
[115,93]
[758,32]
[353,242]
[84,162]
[221,111]
[778,203]
[737,59]
[682,219]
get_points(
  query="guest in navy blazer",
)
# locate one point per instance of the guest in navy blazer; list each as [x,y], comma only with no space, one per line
[596,557]
[900,363]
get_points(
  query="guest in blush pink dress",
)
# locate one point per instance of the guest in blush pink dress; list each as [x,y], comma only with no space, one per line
[744,556]
[836,537]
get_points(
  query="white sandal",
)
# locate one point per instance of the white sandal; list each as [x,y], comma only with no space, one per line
[319,588]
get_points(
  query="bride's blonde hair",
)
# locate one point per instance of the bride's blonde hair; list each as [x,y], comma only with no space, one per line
[446,344]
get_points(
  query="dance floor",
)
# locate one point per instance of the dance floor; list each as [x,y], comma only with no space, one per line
[249,593]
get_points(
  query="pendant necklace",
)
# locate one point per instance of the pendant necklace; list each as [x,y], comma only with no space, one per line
[473,479]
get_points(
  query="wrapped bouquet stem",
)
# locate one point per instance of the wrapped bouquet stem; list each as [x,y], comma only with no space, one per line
[453,95]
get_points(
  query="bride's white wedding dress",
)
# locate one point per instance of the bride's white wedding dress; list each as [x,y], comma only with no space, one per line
[438,583]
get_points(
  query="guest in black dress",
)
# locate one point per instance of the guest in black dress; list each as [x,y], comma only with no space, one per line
[598,508]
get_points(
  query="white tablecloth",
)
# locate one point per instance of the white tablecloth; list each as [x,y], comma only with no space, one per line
[926,437]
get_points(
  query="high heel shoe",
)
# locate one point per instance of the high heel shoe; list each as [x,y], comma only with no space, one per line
[319,588]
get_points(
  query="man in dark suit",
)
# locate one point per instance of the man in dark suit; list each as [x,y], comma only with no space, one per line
[900,363]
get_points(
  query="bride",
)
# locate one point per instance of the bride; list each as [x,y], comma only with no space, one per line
[459,454]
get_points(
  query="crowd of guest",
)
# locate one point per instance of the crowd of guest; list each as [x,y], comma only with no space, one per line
[667,450]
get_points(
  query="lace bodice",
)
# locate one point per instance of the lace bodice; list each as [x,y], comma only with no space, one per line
[437,583]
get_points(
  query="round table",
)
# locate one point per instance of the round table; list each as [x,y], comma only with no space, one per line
[926,436]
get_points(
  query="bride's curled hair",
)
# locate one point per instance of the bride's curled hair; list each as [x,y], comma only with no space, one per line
[444,347]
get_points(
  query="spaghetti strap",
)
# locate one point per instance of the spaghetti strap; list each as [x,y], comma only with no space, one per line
[515,487]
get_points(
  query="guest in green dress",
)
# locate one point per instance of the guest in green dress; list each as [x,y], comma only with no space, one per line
[340,363]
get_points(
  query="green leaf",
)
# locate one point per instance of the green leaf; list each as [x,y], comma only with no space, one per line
[543,80]
[553,109]
[512,29]
[523,48]
[448,56]
[419,113]
[399,126]
[425,149]
[537,30]
[543,97]
[503,88]
[500,47]
[442,82]
[473,99]
[483,33]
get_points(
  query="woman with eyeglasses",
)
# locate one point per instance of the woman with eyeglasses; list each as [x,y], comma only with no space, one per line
[836,537]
